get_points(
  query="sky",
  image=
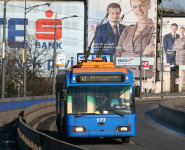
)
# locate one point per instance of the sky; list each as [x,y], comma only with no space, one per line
[174,4]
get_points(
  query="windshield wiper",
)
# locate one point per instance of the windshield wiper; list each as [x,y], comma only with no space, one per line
[83,114]
[114,111]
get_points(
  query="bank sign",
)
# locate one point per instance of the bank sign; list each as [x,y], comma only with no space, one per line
[44,30]
[40,22]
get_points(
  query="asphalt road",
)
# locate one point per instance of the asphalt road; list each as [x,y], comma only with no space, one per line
[149,136]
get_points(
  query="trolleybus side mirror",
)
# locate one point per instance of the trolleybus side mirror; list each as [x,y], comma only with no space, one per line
[137,91]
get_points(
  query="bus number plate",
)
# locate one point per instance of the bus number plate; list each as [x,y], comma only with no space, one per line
[101,119]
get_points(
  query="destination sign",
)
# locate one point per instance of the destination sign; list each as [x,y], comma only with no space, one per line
[100,78]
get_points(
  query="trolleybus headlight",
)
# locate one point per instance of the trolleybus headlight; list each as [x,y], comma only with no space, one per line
[123,129]
[79,129]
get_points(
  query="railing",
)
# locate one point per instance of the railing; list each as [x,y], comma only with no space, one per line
[164,95]
[29,138]
[151,97]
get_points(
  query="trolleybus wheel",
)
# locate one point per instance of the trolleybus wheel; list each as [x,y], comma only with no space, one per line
[125,139]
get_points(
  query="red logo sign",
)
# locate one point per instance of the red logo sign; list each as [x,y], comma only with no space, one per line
[145,64]
[45,28]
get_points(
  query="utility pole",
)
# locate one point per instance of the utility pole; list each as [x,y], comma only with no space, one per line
[24,54]
[54,56]
[141,66]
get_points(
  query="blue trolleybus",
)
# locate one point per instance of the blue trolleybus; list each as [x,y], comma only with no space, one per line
[95,99]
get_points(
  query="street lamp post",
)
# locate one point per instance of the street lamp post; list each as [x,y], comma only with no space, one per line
[54,52]
[141,62]
[24,51]
[161,47]
[3,51]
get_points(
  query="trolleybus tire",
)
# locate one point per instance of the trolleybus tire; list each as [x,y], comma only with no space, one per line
[125,139]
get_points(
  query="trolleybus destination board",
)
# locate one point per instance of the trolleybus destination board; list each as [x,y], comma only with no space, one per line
[100,78]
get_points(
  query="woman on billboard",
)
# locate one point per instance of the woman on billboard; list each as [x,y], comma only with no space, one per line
[139,36]
[179,47]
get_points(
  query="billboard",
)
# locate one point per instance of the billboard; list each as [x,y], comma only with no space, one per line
[40,23]
[173,41]
[126,30]
[174,46]
[173,31]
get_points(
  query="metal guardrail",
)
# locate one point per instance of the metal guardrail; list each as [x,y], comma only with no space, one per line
[29,138]
[164,95]
[151,97]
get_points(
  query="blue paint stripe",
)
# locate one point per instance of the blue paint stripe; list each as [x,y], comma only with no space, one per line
[22,104]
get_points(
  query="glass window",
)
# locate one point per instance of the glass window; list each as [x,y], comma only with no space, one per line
[105,99]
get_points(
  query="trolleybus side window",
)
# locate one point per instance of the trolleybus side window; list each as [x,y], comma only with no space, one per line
[62,95]
[57,97]
[63,89]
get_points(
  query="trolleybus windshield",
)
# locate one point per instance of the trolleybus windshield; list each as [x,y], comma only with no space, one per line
[101,99]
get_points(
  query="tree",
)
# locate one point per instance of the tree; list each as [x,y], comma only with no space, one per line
[11,90]
[12,72]
[37,80]
[35,59]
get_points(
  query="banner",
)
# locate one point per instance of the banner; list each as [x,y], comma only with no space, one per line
[133,61]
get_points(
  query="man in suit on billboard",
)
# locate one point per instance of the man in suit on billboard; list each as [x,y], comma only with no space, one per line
[168,44]
[113,11]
